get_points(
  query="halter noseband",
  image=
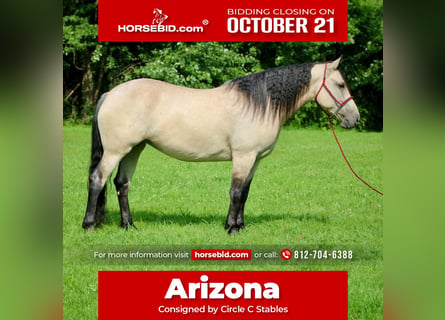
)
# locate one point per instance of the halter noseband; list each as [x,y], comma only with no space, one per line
[323,85]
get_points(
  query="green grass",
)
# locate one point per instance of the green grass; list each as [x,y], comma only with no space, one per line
[303,194]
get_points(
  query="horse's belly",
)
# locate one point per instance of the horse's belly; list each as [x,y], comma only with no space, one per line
[192,154]
[191,147]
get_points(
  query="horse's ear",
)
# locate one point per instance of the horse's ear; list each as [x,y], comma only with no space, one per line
[336,63]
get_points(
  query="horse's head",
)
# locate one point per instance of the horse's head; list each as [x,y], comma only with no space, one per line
[333,94]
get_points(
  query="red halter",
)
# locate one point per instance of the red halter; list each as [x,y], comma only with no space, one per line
[323,85]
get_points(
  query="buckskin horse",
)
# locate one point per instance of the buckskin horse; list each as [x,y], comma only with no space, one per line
[238,121]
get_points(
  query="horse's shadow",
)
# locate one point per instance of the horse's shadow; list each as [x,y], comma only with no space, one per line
[185,217]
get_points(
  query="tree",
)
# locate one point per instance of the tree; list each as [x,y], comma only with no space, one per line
[82,64]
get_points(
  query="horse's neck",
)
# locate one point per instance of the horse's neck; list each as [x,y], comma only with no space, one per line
[308,96]
[314,86]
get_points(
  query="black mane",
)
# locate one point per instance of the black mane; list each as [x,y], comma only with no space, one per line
[281,86]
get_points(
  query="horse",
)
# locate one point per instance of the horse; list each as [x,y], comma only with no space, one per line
[238,121]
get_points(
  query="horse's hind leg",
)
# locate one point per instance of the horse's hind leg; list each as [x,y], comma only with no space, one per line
[97,180]
[244,167]
[122,182]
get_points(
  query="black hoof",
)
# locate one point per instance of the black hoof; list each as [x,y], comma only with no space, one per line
[233,230]
[88,226]
[127,225]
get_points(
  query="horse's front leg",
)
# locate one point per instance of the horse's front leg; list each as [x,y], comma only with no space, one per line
[239,192]
[243,171]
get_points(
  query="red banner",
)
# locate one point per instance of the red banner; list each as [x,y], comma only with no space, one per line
[223,295]
[230,20]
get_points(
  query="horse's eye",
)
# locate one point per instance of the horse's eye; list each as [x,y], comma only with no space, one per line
[341,85]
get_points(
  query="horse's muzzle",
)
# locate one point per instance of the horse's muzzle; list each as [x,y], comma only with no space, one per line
[347,123]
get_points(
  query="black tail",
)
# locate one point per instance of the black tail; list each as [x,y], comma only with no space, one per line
[97,151]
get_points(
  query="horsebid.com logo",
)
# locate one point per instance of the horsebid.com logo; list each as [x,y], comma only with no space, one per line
[158,26]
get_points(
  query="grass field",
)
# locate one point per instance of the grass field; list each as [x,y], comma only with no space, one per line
[303,194]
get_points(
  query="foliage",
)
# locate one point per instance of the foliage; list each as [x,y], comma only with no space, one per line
[197,65]
[91,68]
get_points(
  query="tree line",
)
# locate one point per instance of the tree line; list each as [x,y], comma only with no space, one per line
[91,67]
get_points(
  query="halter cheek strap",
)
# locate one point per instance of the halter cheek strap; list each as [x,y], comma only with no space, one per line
[323,85]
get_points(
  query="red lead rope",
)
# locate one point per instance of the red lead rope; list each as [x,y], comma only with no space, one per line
[332,127]
[347,162]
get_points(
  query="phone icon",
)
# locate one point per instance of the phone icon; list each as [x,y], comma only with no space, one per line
[286,254]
